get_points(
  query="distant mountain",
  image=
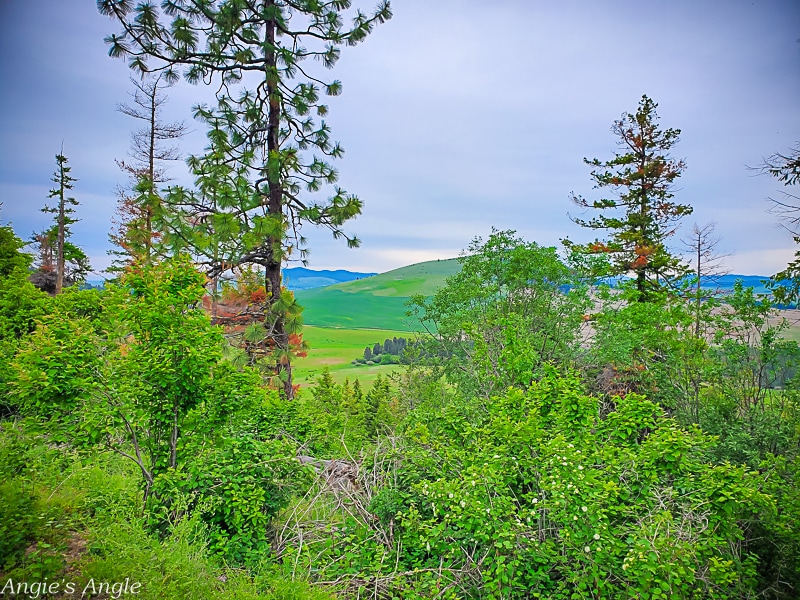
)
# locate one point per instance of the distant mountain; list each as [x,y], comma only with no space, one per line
[722,283]
[300,278]
[725,282]
[375,302]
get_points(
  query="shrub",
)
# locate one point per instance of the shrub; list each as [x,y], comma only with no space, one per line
[544,495]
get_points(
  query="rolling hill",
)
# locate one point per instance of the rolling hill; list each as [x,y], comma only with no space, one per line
[376,302]
[300,278]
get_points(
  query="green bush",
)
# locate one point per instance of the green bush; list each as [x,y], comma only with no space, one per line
[19,522]
[544,496]
[55,367]
[512,307]
[235,485]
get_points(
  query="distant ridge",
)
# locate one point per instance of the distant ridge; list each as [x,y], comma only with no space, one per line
[722,283]
[375,302]
[300,278]
[725,282]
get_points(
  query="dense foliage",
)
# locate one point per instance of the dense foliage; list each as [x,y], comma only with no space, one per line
[512,308]
[526,452]
[549,436]
[269,143]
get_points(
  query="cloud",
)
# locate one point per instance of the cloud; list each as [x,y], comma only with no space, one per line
[456,115]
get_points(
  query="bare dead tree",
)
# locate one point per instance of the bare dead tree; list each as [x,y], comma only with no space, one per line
[786,169]
[785,286]
[139,203]
[706,262]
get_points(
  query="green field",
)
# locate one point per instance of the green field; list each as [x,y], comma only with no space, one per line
[336,348]
[377,302]
[342,319]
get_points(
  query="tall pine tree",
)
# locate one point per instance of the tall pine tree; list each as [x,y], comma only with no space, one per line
[272,127]
[641,214]
[139,206]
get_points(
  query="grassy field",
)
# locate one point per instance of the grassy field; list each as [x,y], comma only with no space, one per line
[792,318]
[336,348]
[422,278]
[342,319]
[376,302]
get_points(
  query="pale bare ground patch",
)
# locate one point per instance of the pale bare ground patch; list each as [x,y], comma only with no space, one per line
[331,361]
[789,317]
[792,318]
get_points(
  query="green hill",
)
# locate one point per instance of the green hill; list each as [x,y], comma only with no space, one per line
[376,302]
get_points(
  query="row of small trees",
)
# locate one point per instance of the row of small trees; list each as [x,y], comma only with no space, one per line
[394,347]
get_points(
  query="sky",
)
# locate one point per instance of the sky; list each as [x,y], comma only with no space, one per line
[456,116]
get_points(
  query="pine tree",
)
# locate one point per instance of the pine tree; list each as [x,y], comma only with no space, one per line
[374,404]
[268,132]
[60,261]
[642,215]
[325,392]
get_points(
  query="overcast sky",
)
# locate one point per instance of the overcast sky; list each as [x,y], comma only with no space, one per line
[456,116]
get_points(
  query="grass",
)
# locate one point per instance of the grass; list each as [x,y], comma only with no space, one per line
[792,333]
[336,349]
[342,319]
[422,278]
[377,302]
[326,307]
[77,525]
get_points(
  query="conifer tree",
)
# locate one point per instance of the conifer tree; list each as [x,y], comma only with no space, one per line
[378,395]
[269,132]
[641,215]
[56,252]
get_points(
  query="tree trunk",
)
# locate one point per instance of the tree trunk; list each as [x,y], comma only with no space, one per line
[275,207]
[61,226]
[151,172]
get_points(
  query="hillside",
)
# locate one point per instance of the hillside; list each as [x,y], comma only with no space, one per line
[374,302]
[300,278]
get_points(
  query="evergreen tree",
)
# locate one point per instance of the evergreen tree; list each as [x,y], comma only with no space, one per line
[642,215]
[377,398]
[377,349]
[367,353]
[325,392]
[270,131]
[60,261]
